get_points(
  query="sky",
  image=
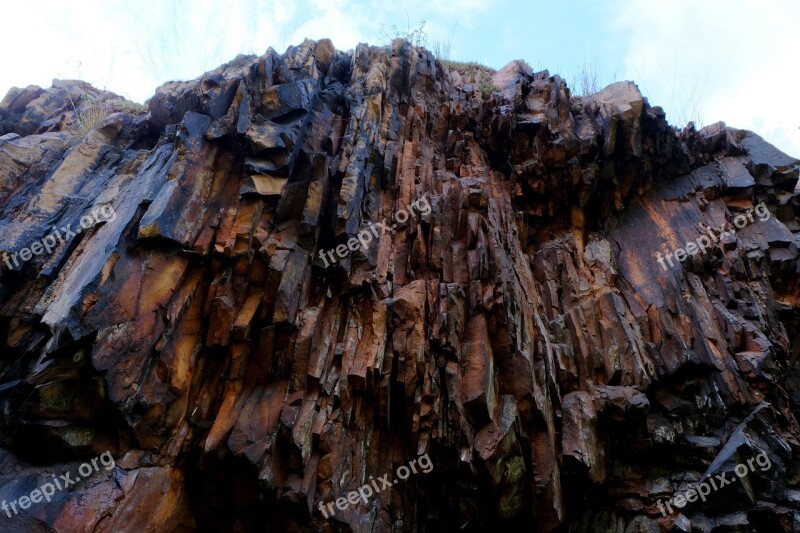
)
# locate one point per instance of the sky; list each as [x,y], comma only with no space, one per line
[702,61]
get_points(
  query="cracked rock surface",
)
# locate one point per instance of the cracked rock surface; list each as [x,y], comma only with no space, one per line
[516,327]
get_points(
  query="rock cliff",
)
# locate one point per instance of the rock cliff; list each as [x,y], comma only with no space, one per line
[280,282]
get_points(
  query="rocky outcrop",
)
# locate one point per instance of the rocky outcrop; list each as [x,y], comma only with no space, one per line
[501,303]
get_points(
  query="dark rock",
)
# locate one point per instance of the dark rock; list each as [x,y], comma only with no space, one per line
[516,326]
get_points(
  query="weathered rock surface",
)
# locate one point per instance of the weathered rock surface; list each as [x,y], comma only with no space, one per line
[521,331]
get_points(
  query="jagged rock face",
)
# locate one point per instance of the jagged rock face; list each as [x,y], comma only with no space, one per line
[516,326]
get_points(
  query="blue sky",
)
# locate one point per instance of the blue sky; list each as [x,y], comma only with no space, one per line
[705,61]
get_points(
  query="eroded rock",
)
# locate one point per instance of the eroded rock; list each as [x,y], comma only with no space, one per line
[521,331]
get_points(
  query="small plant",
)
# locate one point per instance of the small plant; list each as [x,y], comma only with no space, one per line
[481,73]
[467,67]
[585,81]
[89,118]
[575,109]
[687,107]
[90,112]
[441,50]
[85,117]
[416,36]
[486,86]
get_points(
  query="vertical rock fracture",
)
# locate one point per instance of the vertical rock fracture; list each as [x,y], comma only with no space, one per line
[521,332]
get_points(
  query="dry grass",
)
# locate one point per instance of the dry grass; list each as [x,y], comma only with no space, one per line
[415,36]
[468,67]
[585,81]
[686,101]
[87,119]
[126,106]
[441,50]
[90,112]
[688,106]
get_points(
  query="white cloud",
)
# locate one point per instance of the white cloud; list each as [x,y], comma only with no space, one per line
[732,61]
[131,48]
[718,60]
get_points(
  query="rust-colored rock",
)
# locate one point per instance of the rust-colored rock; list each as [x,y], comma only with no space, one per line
[521,332]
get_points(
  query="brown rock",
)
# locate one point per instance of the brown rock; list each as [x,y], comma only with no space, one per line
[521,330]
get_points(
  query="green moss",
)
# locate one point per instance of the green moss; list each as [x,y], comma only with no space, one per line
[515,469]
[55,397]
[77,436]
[486,86]
[510,505]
